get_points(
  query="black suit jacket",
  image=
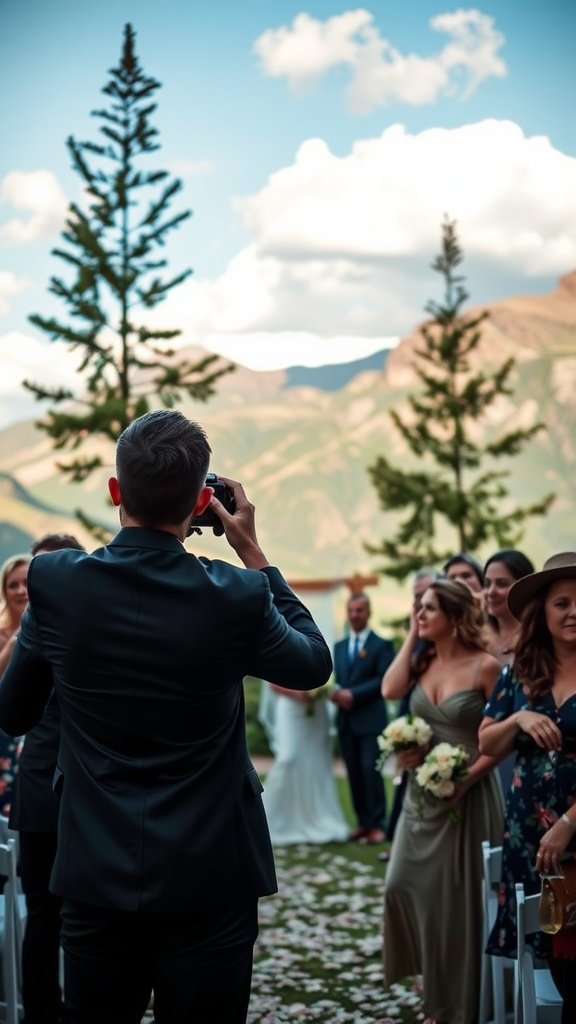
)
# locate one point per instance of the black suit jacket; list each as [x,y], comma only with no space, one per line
[368,715]
[34,806]
[147,647]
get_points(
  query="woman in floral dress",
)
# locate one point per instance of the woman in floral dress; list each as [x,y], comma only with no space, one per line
[533,710]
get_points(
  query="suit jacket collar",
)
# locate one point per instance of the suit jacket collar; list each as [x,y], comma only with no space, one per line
[142,537]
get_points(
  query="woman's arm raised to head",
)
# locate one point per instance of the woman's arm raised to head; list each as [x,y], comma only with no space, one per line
[398,676]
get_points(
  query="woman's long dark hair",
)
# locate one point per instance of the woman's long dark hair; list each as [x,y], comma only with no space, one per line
[534,659]
[518,565]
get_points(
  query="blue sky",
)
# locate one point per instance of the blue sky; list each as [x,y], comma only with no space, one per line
[319,145]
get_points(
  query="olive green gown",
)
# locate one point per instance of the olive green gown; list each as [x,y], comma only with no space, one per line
[433,891]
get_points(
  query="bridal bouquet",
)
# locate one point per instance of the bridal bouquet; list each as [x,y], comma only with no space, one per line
[320,693]
[442,769]
[403,733]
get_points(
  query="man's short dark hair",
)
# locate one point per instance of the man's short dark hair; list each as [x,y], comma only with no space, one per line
[161,462]
[55,542]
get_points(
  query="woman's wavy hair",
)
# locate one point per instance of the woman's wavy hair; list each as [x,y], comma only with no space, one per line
[9,565]
[465,614]
[534,659]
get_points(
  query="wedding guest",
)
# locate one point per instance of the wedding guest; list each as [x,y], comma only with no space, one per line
[300,795]
[433,901]
[533,712]
[34,815]
[13,588]
[501,570]
[14,599]
[420,583]
[359,664]
[467,569]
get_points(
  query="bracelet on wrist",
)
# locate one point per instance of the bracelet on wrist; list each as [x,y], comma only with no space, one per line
[568,821]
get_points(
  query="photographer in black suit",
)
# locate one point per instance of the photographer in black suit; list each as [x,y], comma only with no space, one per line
[163,847]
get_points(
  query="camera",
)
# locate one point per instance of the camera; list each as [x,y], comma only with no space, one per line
[208,517]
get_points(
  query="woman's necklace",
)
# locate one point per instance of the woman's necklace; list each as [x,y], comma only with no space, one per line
[506,643]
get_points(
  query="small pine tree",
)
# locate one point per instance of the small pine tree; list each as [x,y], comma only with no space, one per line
[112,248]
[452,398]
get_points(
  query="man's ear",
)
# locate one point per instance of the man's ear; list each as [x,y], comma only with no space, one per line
[202,501]
[114,489]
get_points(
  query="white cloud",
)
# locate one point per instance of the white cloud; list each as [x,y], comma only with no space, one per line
[309,48]
[514,197]
[342,246]
[24,356]
[39,195]
[190,168]
[10,286]
[286,348]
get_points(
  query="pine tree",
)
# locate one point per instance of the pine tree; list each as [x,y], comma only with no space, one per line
[450,482]
[113,250]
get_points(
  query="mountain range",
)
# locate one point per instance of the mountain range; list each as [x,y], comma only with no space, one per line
[301,441]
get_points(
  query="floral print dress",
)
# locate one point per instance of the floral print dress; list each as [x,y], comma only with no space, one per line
[542,787]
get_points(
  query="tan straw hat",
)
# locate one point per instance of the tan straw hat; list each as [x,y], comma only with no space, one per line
[558,567]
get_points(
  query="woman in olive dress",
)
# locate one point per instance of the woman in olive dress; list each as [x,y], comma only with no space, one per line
[433,890]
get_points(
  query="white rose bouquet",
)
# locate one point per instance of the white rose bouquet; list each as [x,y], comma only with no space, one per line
[403,733]
[441,770]
[320,693]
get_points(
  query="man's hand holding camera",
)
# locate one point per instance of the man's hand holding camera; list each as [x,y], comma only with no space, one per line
[239,527]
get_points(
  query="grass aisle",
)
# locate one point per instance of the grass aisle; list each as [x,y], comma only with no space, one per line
[318,956]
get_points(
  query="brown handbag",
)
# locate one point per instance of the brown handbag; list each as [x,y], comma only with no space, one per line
[558,900]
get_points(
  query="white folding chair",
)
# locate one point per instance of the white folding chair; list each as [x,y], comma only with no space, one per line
[492,985]
[10,1005]
[8,834]
[536,998]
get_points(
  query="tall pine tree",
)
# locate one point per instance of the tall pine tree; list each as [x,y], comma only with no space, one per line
[113,250]
[449,482]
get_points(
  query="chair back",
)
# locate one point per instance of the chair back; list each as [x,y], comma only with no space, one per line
[492,987]
[536,998]
[10,1007]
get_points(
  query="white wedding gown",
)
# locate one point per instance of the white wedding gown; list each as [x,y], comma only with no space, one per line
[300,795]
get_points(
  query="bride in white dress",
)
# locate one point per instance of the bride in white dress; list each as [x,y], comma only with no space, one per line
[300,795]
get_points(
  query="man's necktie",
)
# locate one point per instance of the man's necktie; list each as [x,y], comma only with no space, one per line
[355,649]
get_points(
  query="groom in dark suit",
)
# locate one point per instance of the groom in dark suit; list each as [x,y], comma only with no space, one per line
[163,847]
[359,664]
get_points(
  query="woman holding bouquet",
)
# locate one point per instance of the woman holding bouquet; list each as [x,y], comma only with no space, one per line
[533,712]
[433,902]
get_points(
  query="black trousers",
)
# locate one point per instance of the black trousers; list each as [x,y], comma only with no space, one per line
[359,754]
[199,965]
[41,994]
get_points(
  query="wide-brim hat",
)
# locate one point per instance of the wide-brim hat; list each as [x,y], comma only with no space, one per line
[558,567]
